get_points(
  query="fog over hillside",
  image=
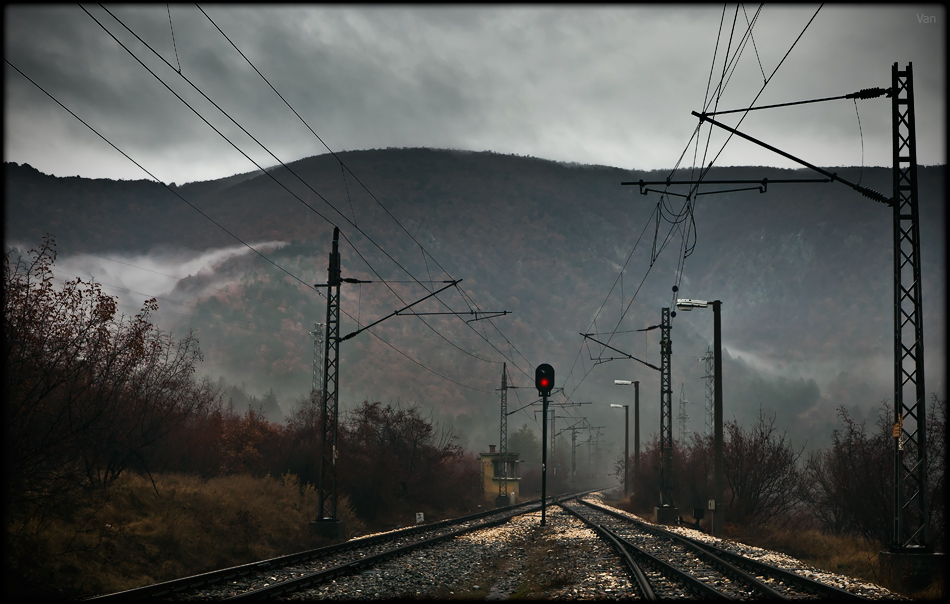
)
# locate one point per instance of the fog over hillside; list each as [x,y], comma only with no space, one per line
[804,273]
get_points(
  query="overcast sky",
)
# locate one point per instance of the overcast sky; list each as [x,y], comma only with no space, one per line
[610,85]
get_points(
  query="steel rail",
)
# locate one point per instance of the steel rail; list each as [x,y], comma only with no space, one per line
[821,589]
[315,578]
[646,590]
[159,590]
[166,589]
[693,584]
[799,581]
[715,561]
[318,577]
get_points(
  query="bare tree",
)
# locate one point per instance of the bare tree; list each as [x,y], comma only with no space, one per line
[937,471]
[85,391]
[762,473]
[849,486]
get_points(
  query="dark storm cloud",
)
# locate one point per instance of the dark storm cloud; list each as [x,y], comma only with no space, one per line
[608,85]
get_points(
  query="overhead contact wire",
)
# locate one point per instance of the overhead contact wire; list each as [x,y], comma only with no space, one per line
[360,182]
[213,221]
[271,175]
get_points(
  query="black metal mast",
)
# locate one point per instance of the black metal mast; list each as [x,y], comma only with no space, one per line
[666,412]
[911,521]
[911,526]
[503,437]
[331,382]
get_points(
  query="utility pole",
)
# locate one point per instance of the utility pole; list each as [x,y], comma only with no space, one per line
[911,518]
[626,444]
[719,469]
[668,513]
[590,444]
[553,416]
[574,457]
[665,513]
[911,530]
[327,522]
[636,431]
[503,439]
[327,493]
[683,417]
[573,430]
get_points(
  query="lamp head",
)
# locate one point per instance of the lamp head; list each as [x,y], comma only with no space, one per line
[687,304]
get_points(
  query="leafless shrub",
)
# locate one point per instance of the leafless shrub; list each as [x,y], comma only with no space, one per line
[85,391]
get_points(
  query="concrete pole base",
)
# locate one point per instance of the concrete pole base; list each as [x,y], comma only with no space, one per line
[665,515]
[330,528]
[911,570]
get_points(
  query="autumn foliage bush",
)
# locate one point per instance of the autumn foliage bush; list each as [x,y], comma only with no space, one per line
[87,393]
[849,486]
[845,489]
[92,397]
[90,394]
[396,462]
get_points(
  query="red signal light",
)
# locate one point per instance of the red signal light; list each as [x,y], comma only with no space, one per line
[544,378]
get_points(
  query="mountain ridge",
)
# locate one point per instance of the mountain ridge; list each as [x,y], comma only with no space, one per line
[804,272]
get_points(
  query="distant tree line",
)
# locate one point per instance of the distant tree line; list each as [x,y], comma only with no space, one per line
[89,394]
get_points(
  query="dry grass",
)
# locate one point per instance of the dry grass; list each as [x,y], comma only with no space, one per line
[133,535]
[840,554]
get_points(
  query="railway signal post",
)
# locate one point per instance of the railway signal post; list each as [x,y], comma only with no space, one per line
[544,381]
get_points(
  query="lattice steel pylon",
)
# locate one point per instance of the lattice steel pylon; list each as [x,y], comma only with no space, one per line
[709,377]
[331,381]
[574,457]
[317,380]
[911,522]
[666,411]
[683,416]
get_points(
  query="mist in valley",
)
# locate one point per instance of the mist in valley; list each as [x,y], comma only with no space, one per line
[805,329]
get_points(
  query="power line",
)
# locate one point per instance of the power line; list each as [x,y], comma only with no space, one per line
[156,179]
[269,173]
[675,218]
[333,153]
[173,191]
[429,326]
[372,195]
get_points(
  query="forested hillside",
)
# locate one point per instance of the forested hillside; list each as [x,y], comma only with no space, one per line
[804,273]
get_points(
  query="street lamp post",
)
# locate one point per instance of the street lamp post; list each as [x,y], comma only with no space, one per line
[636,432]
[718,516]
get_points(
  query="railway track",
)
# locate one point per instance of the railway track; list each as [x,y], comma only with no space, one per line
[587,550]
[284,575]
[668,565]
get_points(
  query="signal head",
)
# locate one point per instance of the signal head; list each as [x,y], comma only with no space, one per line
[544,378]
